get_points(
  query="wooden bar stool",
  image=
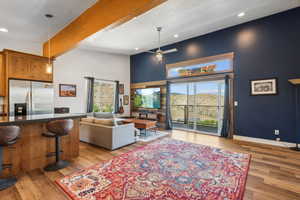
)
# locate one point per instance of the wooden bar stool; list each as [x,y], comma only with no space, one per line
[57,129]
[8,136]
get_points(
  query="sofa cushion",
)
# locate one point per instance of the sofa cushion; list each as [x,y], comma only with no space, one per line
[88,119]
[106,122]
[103,115]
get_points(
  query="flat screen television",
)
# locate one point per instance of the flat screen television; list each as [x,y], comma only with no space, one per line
[147,98]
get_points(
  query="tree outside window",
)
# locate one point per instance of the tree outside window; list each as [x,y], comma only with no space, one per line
[104,96]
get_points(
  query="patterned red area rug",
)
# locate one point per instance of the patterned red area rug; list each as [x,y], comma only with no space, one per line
[163,170]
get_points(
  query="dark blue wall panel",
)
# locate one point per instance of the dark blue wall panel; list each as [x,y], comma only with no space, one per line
[264,48]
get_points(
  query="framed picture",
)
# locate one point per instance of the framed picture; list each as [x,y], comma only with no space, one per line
[121,89]
[126,100]
[264,87]
[67,90]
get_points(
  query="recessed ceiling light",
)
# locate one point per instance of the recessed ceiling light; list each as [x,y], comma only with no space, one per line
[242,14]
[3,30]
[136,49]
[176,36]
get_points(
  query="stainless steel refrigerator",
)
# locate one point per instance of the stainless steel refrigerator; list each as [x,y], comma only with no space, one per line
[36,97]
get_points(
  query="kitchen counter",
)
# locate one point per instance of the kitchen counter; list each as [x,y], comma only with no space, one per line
[12,120]
[31,149]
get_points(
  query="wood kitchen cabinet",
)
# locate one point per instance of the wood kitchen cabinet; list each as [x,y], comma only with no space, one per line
[2,75]
[28,67]
[39,69]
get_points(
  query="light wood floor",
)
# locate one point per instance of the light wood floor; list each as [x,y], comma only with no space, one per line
[274,172]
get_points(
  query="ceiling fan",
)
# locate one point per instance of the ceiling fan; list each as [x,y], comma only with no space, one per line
[160,53]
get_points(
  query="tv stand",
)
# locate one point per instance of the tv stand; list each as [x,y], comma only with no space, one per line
[144,114]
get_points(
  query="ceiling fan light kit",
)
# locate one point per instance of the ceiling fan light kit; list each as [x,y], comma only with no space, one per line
[160,53]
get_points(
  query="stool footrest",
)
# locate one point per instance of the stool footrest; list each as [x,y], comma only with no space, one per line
[6,183]
[56,166]
[7,166]
[51,154]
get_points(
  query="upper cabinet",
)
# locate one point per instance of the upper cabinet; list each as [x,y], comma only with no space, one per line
[29,67]
[2,75]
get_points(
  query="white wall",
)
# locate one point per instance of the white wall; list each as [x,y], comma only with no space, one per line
[20,45]
[72,67]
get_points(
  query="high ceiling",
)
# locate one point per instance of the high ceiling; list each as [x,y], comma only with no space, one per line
[25,18]
[187,18]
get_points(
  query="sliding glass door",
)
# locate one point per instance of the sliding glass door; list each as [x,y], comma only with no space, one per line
[198,106]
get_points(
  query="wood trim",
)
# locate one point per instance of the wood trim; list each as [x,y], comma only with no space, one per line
[295,81]
[148,84]
[104,14]
[201,60]
[206,77]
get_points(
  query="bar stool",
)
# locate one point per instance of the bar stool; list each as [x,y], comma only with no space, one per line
[57,129]
[8,136]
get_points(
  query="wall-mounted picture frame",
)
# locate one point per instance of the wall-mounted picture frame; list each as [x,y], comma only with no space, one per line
[67,90]
[126,100]
[121,89]
[264,87]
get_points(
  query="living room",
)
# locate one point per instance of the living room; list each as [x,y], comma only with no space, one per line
[149,99]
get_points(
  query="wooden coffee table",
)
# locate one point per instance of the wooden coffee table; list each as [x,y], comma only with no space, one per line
[142,124]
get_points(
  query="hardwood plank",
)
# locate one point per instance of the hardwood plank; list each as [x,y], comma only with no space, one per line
[49,188]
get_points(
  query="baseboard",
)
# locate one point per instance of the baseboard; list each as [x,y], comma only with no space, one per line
[264,141]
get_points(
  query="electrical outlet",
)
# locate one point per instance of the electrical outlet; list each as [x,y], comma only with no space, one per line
[276,132]
[278,139]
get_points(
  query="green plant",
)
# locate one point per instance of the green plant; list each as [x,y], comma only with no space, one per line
[213,123]
[108,108]
[96,108]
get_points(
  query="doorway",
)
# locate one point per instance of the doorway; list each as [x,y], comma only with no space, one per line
[198,106]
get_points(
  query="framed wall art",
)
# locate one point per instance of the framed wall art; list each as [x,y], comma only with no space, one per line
[67,90]
[264,87]
[121,89]
[126,100]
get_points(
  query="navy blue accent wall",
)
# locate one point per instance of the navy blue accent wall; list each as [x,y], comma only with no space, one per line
[264,48]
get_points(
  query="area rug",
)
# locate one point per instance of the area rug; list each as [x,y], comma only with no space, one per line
[163,170]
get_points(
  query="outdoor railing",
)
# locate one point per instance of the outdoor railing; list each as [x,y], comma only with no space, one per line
[203,115]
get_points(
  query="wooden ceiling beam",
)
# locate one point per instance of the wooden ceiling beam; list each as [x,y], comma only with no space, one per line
[102,15]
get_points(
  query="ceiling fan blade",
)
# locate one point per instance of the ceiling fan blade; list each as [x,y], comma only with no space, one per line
[170,51]
[150,51]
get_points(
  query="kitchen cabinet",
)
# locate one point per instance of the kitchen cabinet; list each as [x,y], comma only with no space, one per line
[28,67]
[2,75]
[40,70]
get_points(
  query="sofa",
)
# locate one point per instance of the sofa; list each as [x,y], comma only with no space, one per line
[106,131]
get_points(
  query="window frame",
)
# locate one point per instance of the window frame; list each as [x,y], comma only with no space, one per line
[197,61]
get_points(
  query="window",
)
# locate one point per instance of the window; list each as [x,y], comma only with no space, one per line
[104,96]
[201,66]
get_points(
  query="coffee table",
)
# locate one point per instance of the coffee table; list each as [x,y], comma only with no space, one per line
[142,124]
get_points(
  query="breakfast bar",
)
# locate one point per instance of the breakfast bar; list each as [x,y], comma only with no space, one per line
[32,149]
